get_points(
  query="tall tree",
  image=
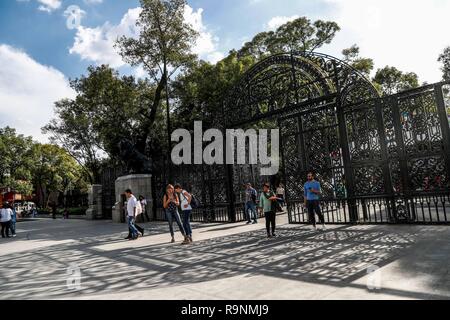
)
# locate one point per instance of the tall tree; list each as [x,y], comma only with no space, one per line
[16,154]
[391,80]
[107,108]
[444,58]
[164,46]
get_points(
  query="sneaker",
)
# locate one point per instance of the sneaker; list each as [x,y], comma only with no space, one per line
[190,239]
[142,232]
[274,235]
[269,236]
[324,227]
[173,240]
[14,235]
[248,222]
[255,222]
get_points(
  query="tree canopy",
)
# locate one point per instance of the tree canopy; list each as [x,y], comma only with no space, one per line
[444,59]
[27,166]
[298,35]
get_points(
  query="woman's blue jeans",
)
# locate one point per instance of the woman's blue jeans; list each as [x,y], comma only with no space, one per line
[174,215]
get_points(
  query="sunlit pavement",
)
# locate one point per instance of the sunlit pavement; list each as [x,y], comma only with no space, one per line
[78,259]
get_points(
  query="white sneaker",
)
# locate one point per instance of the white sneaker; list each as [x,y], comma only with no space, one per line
[324,227]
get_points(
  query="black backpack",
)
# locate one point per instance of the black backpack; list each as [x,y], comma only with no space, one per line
[194,201]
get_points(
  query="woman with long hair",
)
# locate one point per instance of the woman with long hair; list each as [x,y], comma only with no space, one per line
[171,202]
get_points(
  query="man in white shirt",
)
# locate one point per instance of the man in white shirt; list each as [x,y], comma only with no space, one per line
[132,212]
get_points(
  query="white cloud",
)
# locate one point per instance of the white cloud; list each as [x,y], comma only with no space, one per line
[97,44]
[49,5]
[28,91]
[278,21]
[407,34]
[206,45]
[93,1]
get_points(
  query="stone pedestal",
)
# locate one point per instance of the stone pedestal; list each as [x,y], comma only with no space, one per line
[140,185]
[95,210]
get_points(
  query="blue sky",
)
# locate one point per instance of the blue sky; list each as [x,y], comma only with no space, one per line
[38,53]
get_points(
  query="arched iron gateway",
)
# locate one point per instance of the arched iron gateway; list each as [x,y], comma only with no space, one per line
[380,160]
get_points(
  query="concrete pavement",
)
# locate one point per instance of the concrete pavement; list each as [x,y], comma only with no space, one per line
[227,261]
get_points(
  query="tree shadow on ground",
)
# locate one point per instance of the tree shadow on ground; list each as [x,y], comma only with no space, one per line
[336,257]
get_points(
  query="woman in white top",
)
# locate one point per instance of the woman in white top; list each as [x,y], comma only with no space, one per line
[5,220]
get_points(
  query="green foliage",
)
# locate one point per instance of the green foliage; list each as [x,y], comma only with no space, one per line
[363,65]
[16,161]
[297,35]
[27,166]
[106,109]
[391,80]
[444,59]
[200,91]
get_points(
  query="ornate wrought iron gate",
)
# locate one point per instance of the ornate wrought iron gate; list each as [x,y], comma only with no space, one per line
[380,160]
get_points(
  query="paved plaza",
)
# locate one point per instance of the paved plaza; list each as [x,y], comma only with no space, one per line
[227,261]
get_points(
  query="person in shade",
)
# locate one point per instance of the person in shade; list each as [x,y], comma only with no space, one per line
[266,203]
[144,215]
[250,203]
[281,195]
[312,191]
[171,202]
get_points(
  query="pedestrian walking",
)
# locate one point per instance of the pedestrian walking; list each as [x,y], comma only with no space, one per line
[250,204]
[171,202]
[5,220]
[312,191]
[132,212]
[267,203]
[186,211]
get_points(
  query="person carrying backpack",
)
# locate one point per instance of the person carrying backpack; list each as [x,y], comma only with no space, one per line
[186,209]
